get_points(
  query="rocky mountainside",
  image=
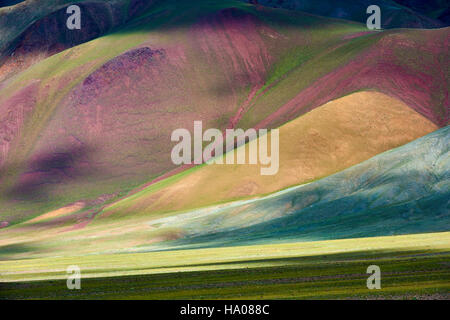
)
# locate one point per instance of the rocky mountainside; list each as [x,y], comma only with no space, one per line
[395,14]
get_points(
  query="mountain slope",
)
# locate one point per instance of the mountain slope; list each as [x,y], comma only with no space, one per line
[435,9]
[402,191]
[393,14]
[34,30]
[69,133]
[329,139]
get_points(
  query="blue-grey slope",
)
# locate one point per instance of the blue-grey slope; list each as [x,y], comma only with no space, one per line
[402,191]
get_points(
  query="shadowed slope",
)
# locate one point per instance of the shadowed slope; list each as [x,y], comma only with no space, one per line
[436,9]
[405,190]
[6,3]
[35,30]
[393,15]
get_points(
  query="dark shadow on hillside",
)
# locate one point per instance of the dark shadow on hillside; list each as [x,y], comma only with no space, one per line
[169,17]
[7,3]
[351,216]
[13,249]
[49,35]
[394,15]
[50,169]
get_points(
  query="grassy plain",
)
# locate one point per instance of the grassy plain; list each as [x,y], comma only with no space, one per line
[412,266]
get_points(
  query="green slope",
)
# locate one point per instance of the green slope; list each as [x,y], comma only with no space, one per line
[405,190]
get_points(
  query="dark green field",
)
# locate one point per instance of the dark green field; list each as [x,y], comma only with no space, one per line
[405,275]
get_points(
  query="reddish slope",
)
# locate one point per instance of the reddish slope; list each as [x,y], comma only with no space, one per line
[408,65]
[127,109]
[12,115]
[111,132]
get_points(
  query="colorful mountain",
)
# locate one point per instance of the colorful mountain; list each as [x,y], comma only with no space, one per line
[333,137]
[402,191]
[86,176]
[71,133]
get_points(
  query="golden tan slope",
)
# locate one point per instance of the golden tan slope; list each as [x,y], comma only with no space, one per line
[59,212]
[328,139]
